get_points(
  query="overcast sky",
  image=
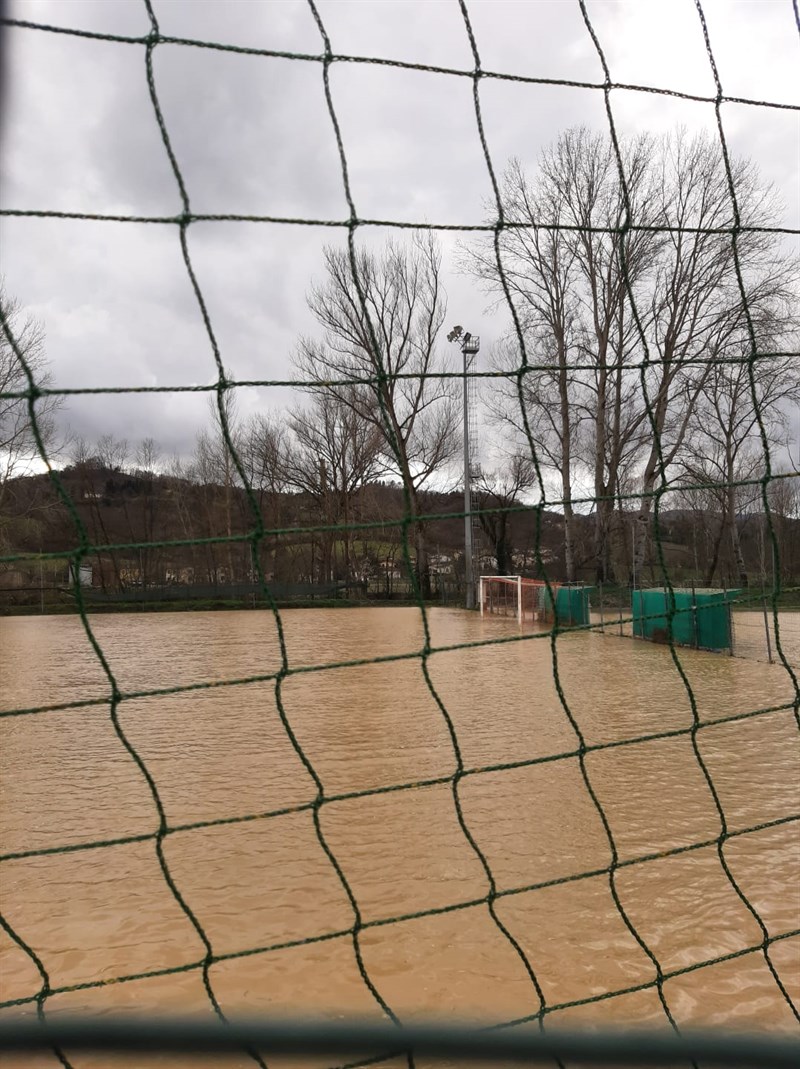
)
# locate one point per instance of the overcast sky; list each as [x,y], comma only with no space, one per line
[252,136]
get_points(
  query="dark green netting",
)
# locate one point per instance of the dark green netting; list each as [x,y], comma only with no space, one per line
[666,611]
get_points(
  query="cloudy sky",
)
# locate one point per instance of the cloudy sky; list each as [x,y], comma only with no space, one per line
[252,136]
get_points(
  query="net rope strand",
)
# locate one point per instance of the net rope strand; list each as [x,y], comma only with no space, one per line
[33,396]
[523,957]
[358,380]
[535,460]
[402,64]
[174,970]
[766,452]
[620,246]
[203,217]
[259,530]
[152,41]
[503,766]
[664,482]
[393,444]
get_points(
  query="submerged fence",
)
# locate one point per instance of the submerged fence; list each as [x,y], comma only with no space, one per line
[742,623]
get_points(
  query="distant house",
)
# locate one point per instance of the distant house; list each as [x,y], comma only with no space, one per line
[83,577]
[440,564]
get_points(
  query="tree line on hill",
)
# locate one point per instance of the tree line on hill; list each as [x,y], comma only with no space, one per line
[177,520]
[651,355]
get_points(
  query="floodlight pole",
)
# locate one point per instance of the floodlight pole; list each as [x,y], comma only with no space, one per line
[470,344]
[469,578]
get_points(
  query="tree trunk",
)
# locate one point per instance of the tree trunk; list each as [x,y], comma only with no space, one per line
[423,571]
[566,463]
[655,460]
[569,546]
[642,526]
[602,526]
[228,523]
[736,545]
[347,534]
[738,556]
[566,488]
[601,517]
[712,566]
[502,549]
[422,566]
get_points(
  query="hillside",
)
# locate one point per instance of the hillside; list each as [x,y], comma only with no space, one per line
[170,537]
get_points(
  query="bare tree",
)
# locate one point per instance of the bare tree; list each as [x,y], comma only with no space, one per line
[335,453]
[18,447]
[723,448]
[382,343]
[24,509]
[92,466]
[180,486]
[583,167]
[263,449]
[561,261]
[147,456]
[784,500]
[113,453]
[540,269]
[214,464]
[695,315]
[496,492]
[624,326]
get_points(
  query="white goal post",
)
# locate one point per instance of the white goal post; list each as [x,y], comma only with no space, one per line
[513,595]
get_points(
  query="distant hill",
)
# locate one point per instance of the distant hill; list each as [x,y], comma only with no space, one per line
[146,529]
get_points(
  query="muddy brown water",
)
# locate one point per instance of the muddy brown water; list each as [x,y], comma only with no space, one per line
[242,848]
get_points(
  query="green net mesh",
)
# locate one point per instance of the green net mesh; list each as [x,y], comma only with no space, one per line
[574,759]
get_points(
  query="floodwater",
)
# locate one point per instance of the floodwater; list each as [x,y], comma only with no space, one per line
[423,831]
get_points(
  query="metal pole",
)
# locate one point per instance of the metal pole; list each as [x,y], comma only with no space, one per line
[766,627]
[480,594]
[695,631]
[469,578]
[727,604]
[519,600]
[731,640]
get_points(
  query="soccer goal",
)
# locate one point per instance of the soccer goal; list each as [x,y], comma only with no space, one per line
[531,600]
[515,596]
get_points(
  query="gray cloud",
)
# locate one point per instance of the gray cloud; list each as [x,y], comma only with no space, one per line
[252,136]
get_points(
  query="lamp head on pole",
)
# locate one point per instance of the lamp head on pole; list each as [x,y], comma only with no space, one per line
[470,343]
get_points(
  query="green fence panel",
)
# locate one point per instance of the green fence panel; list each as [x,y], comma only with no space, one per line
[572,604]
[701,618]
